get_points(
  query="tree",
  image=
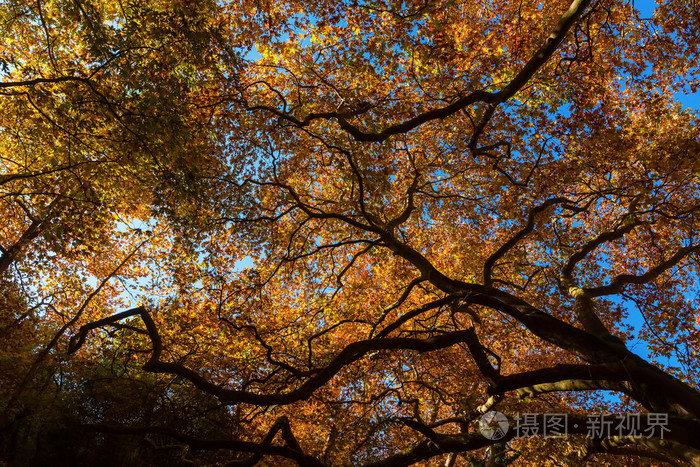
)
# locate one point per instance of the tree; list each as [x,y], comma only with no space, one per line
[341,233]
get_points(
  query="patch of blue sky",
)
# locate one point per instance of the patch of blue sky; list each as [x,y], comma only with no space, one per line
[687,98]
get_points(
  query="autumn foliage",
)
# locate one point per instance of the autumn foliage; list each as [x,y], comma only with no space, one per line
[339,232]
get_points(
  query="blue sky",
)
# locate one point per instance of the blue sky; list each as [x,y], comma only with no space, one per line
[646,8]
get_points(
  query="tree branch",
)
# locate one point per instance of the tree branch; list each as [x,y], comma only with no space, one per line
[530,224]
[621,280]
[265,448]
[565,23]
[349,354]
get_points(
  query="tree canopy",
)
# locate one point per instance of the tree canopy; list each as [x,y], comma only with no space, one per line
[340,232]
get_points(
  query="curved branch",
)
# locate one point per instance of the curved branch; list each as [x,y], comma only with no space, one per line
[404,295]
[621,280]
[44,352]
[563,26]
[349,354]
[530,224]
[567,20]
[35,81]
[413,313]
[604,237]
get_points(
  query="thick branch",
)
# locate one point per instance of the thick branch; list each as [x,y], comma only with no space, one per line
[558,373]
[350,354]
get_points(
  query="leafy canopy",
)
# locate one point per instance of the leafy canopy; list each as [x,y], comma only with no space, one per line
[337,233]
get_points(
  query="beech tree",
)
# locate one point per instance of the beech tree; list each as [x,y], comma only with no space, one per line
[279,233]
